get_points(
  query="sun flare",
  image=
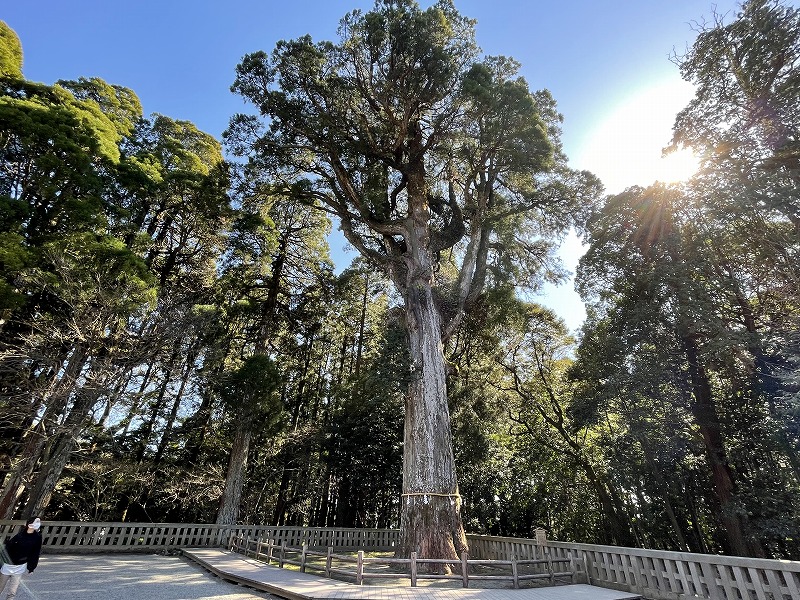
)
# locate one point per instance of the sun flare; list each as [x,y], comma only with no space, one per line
[625,148]
[678,166]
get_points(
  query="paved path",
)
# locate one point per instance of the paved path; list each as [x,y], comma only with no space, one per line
[127,577]
[302,586]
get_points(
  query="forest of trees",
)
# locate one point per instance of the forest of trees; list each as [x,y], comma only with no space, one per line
[176,344]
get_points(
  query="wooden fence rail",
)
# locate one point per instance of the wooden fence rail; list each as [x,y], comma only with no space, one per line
[402,568]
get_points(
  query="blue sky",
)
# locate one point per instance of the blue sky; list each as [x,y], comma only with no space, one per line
[606,62]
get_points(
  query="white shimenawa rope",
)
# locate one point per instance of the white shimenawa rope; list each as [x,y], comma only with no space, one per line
[425,496]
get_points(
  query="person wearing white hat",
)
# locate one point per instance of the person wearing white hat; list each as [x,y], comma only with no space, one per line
[23,551]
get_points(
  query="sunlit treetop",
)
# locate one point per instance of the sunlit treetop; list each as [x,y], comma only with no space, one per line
[10,52]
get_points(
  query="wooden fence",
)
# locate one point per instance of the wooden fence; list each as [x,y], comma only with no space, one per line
[661,575]
[357,567]
[69,536]
[654,574]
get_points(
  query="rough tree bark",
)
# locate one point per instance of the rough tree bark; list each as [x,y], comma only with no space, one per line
[735,524]
[430,520]
[234,481]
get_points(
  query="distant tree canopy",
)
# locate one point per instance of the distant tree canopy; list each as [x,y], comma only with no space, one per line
[176,344]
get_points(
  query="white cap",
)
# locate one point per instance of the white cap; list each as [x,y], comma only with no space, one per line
[37,522]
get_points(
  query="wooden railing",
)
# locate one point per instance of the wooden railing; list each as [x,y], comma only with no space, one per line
[355,568]
[69,536]
[659,574]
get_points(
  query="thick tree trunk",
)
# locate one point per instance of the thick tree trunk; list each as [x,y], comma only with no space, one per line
[430,514]
[282,503]
[430,521]
[49,475]
[734,522]
[234,481]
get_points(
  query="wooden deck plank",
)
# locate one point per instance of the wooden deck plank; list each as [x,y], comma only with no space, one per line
[294,585]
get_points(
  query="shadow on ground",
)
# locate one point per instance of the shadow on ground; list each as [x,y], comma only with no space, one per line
[127,577]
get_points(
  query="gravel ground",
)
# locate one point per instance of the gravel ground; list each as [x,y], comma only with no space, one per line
[127,577]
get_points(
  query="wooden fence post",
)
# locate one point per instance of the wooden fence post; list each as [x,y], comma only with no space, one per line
[464,569]
[270,550]
[360,569]
[303,557]
[282,555]
[540,535]
[573,566]
[586,567]
[515,571]
[413,569]
[328,561]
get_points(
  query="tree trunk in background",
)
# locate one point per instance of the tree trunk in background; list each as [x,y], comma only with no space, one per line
[654,470]
[200,423]
[173,415]
[158,405]
[22,470]
[133,411]
[36,440]
[361,322]
[704,411]
[48,476]
[234,481]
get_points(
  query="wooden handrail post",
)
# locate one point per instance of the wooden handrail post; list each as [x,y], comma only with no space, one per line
[464,569]
[573,566]
[328,561]
[515,571]
[550,569]
[413,569]
[303,557]
[586,566]
[360,570]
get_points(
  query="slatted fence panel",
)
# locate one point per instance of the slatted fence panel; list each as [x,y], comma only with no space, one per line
[658,574]
[679,575]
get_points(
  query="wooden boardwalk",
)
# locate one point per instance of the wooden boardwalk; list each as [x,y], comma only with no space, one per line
[294,585]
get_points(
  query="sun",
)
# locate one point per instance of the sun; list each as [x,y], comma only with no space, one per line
[677,166]
[626,147]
